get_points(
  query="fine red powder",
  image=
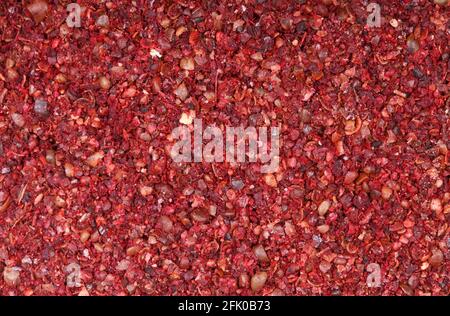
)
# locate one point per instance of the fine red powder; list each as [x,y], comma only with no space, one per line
[91,202]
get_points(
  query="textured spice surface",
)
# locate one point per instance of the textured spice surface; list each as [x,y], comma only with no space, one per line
[91,202]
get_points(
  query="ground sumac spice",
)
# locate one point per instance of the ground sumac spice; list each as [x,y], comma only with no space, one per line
[91,202]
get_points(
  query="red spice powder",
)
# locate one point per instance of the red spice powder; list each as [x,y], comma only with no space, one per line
[91,202]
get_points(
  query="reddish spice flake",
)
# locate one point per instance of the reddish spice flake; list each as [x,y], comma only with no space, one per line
[92,203]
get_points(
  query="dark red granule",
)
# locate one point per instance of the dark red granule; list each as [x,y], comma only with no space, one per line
[88,188]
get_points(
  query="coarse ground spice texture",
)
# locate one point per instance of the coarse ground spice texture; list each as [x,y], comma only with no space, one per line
[92,203]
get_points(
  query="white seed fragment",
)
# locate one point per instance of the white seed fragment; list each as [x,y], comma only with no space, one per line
[182,92]
[40,107]
[393,23]
[155,53]
[102,20]
[187,118]
[145,190]
[257,56]
[69,170]
[441,2]
[123,265]
[130,92]
[9,63]
[104,82]
[11,276]
[60,78]
[95,158]
[83,292]
[166,223]
[270,180]
[436,205]
[412,45]
[18,119]
[324,207]
[323,228]
[84,236]
[260,253]
[258,280]
[386,192]
[60,202]
[187,63]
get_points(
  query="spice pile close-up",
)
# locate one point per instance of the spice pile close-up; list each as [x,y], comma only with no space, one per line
[93,201]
